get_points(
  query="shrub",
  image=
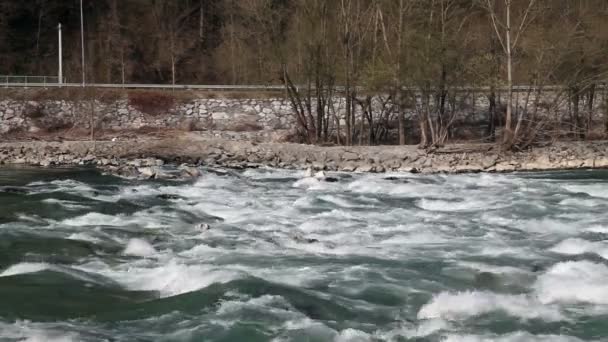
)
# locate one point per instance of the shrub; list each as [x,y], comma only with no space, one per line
[151,103]
[33,111]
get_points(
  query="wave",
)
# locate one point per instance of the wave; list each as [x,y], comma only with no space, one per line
[573,282]
[463,305]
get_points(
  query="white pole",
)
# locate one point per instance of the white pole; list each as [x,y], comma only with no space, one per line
[60,81]
[82,44]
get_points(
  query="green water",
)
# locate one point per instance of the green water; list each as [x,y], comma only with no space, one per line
[87,257]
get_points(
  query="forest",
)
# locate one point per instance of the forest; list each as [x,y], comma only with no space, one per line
[384,58]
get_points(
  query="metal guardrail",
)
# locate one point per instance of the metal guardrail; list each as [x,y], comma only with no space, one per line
[52,82]
[27,80]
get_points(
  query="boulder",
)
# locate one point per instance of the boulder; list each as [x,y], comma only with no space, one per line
[350,156]
[366,168]
[189,171]
[348,167]
[147,172]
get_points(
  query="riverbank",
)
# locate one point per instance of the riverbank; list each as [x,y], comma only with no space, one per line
[132,156]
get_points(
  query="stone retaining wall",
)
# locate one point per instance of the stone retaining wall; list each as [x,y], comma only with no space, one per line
[231,114]
[220,114]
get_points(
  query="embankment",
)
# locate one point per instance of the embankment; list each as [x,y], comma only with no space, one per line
[194,149]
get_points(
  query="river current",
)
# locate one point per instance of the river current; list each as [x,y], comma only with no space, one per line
[270,255]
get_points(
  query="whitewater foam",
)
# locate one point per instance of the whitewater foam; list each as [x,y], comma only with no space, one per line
[573,282]
[24,268]
[513,337]
[463,305]
[576,246]
[139,247]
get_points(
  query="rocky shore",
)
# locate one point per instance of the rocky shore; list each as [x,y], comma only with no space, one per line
[178,157]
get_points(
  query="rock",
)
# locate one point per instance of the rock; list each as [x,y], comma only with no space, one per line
[89,158]
[409,169]
[331,179]
[147,172]
[574,164]
[135,163]
[393,164]
[168,197]
[463,169]
[45,163]
[161,174]
[350,156]
[589,163]
[320,175]
[366,168]
[488,162]
[190,171]
[34,129]
[503,167]
[308,173]
[318,166]
[203,227]
[299,237]
[348,167]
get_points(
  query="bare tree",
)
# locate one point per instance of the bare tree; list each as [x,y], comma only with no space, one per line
[509,33]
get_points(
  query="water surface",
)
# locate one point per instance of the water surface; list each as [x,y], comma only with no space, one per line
[520,257]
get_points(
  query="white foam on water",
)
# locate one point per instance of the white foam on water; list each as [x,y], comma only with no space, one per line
[262,173]
[317,331]
[425,328]
[464,305]
[455,206]
[310,183]
[170,279]
[24,268]
[352,335]
[275,305]
[582,202]
[28,267]
[66,204]
[599,190]
[142,219]
[63,185]
[25,331]
[600,229]
[481,267]
[576,246]
[519,336]
[498,250]
[573,282]
[418,238]
[549,226]
[83,237]
[139,247]
[340,202]
[377,185]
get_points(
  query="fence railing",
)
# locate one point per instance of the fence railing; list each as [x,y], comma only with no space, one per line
[25,81]
[8,81]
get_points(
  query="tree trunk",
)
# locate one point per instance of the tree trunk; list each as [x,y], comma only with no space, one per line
[201,22]
[590,102]
[401,119]
[232,48]
[492,114]
[606,107]
[508,131]
[576,120]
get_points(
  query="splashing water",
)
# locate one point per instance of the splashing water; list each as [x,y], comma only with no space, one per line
[284,257]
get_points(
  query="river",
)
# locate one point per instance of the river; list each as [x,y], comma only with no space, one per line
[268,255]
